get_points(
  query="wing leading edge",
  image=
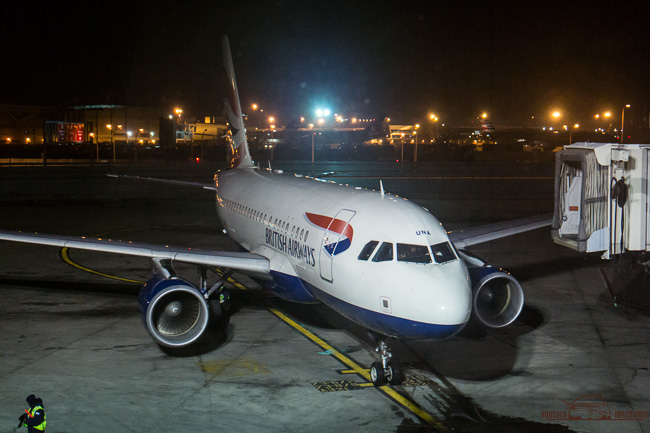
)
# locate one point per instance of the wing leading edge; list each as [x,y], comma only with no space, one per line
[477,235]
[245,262]
[166,181]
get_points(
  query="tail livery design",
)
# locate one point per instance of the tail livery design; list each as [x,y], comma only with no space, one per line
[239,147]
[487,126]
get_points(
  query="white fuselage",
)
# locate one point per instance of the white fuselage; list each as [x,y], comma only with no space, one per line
[318,237]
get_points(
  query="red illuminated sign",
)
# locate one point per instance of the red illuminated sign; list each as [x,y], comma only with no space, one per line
[70,132]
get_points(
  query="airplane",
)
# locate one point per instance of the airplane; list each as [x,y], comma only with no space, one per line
[487,126]
[380,260]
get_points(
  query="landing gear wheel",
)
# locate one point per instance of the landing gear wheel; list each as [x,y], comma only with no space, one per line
[219,317]
[393,373]
[377,375]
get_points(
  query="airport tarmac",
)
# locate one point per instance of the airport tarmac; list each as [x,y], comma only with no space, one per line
[72,335]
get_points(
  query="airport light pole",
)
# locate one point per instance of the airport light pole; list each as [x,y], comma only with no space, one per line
[623,120]
[415,147]
[576,126]
[92,137]
[415,137]
[110,128]
[434,120]
[203,143]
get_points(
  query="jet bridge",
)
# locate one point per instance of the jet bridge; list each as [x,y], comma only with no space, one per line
[601,198]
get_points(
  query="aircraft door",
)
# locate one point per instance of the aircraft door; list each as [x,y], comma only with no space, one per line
[337,238]
[571,217]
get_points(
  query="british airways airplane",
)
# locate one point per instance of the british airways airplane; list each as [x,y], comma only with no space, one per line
[379,260]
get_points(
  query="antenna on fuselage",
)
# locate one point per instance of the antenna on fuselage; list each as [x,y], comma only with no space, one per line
[381,188]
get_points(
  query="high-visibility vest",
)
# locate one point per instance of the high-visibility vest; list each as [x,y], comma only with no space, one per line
[42,425]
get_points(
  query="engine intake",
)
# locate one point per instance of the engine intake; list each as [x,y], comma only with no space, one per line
[498,296]
[174,311]
[498,299]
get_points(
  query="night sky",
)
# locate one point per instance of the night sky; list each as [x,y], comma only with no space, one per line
[514,59]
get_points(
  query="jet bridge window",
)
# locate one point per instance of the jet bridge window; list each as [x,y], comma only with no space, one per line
[413,253]
[367,250]
[385,253]
[443,253]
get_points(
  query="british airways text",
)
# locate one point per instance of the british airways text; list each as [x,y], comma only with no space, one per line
[280,241]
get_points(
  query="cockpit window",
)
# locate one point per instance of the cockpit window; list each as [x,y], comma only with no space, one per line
[443,253]
[384,253]
[413,253]
[367,250]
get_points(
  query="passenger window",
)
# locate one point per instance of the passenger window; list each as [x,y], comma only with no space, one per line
[442,253]
[385,253]
[301,233]
[367,250]
[413,253]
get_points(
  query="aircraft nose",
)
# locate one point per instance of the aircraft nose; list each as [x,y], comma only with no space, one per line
[443,300]
[453,301]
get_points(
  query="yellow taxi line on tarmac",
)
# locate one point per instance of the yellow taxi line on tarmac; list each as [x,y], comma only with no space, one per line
[236,283]
[356,368]
[66,258]
[231,280]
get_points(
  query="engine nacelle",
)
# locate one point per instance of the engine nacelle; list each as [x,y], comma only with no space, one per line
[174,312]
[497,296]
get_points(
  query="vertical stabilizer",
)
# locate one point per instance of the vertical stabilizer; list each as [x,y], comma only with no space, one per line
[239,156]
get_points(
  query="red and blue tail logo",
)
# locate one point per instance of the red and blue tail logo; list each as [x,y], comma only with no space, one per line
[487,126]
[343,232]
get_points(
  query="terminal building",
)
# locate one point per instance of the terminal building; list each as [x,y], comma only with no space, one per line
[79,124]
[25,127]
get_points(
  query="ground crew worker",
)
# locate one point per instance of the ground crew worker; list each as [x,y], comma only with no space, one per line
[34,418]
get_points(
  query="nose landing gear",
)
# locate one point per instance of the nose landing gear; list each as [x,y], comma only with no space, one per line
[385,370]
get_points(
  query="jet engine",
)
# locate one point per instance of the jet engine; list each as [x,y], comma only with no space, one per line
[497,295]
[174,312]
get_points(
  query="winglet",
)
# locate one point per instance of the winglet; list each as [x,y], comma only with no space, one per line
[239,146]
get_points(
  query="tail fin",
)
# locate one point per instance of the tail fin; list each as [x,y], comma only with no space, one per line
[487,126]
[239,155]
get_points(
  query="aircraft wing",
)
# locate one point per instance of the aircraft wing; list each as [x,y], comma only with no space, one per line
[166,181]
[477,235]
[239,261]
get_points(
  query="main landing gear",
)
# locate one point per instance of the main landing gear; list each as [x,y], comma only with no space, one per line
[385,370]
